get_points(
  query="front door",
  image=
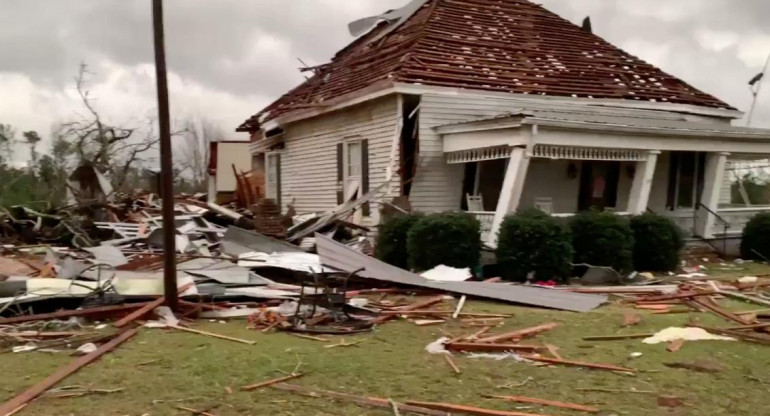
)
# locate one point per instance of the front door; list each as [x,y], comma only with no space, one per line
[598,185]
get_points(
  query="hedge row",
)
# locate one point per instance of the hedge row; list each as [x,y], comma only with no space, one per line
[532,242]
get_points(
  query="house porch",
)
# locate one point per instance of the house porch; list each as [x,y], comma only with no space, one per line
[565,171]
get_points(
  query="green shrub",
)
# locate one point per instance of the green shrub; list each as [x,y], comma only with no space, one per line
[451,239]
[533,241]
[603,239]
[755,244]
[657,243]
[390,246]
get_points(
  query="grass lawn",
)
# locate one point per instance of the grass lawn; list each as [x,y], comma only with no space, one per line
[194,370]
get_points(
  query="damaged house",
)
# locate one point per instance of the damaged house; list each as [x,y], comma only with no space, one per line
[491,106]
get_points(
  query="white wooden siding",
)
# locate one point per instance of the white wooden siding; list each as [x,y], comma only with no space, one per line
[309,158]
[438,185]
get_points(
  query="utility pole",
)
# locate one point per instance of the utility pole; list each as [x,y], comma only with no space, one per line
[758,90]
[166,176]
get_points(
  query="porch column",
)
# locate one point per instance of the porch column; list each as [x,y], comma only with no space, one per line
[639,196]
[510,193]
[712,186]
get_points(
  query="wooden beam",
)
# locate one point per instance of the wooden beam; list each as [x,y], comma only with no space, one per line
[521,333]
[50,381]
[469,410]
[721,312]
[479,347]
[617,337]
[68,313]
[532,400]
[607,367]
[385,316]
[211,334]
[271,382]
[452,364]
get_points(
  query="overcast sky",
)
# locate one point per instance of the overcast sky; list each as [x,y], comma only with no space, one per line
[229,58]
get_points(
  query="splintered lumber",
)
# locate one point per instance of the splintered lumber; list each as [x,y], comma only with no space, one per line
[721,312]
[386,315]
[478,333]
[521,333]
[270,382]
[451,363]
[617,337]
[469,410]
[749,327]
[675,345]
[50,381]
[68,313]
[603,390]
[607,367]
[147,308]
[359,400]
[743,336]
[532,400]
[211,334]
[684,295]
[554,350]
[654,307]
[310,337]
[440,312]
[459,309]
[479,347]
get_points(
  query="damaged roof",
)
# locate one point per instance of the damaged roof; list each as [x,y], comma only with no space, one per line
[510,46]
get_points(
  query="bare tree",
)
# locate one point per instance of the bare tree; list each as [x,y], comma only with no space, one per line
[194,150]
[111,149]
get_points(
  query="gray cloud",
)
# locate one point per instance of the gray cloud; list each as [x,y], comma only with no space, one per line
[231,57]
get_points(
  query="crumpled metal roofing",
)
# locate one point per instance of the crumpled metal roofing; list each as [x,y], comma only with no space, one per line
[338,256]
[500,45]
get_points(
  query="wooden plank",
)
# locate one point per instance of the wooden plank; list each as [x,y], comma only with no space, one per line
[521,333]
[469,410]
[487,347]
[386,315]
[360,400]
[543,402]
[68,313]
[50,381]
[212,334]
[149,307]
[721,312]
[675,345]
[744,336]
[608,367]
[452,364]
[684,295]
[271,382]
[438,312]
[617,337]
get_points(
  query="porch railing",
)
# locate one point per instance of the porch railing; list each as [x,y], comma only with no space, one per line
[486,218]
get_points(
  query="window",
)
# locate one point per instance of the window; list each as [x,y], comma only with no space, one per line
[272,181]
[687,173]
[352,169]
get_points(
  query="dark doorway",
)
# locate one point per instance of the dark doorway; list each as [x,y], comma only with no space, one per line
[410,142]
[598,185]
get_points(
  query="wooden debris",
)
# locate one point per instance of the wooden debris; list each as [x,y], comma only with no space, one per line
[360,400]
[451,363]
[614,391]
[669,401]
[675,346]
[470,410]
[310,337]
[345,344]
[607,367]
[427,322]
[701,366]
[743,336]
[50,381]
[721,312]
[477,334]
[271,382]
[460,305]
[211,334]
[554,350]
[442,313]
[654,307]
[616,337]
[521,333]
[532,400]
[100,310]
[631,319]
[388,315]
[147,308]
[479,347]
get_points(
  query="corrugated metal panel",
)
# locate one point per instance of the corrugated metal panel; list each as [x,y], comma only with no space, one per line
[334,254]
[309,161]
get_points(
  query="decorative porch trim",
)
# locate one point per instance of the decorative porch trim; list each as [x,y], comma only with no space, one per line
[479,155]
[548,151]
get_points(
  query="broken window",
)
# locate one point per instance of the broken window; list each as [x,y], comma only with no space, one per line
[272,176]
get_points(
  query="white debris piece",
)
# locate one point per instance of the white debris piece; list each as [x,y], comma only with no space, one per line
[748,279]
[687,334]
[636,354]
[443,273]
[86,348]
[437,346]
[302,262]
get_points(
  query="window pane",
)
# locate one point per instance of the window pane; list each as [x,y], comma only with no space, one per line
[354,159]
